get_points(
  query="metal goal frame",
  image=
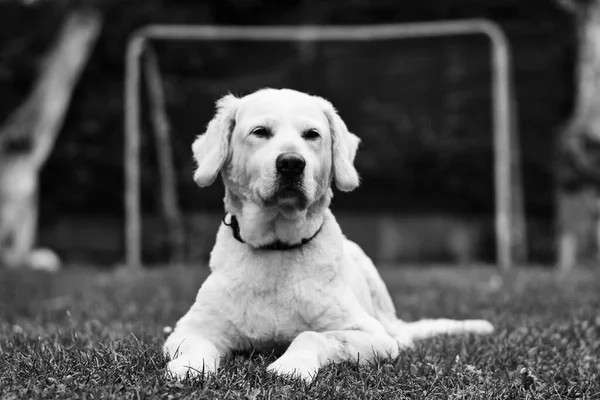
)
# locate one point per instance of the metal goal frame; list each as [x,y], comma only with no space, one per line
[501,98]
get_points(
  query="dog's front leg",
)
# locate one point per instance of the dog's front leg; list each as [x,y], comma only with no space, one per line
[310,351]
[198,358]
[195,347]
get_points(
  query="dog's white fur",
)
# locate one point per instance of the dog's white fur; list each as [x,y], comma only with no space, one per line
[326,298]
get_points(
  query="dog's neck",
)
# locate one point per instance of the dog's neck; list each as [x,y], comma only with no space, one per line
[260,227]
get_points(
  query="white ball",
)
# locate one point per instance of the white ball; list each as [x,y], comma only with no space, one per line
[44,260]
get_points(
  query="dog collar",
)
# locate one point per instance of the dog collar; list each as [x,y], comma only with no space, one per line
[276,245]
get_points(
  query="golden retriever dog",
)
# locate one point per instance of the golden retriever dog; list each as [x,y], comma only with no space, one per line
[282,272]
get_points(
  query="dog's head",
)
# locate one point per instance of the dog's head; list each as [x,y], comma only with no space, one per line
[277,149]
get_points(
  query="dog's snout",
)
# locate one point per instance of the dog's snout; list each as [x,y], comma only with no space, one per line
[290,164]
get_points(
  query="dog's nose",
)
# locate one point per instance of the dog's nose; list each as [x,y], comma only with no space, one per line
[290,164]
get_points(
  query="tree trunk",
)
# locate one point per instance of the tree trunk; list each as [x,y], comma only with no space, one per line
[28,135]
[168,180]
[579,169]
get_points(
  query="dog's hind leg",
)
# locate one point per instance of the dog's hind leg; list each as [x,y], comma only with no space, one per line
[383,306]
[427,328]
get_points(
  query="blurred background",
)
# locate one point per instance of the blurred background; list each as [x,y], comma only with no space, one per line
[423,108]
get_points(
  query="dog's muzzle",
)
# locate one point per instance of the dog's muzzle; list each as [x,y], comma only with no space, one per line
[290,189]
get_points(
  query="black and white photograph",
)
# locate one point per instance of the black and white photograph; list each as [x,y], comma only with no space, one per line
[299,199]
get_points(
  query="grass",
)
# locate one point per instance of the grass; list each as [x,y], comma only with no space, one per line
[93,334]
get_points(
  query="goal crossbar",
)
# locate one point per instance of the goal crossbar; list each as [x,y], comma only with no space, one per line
[500,86]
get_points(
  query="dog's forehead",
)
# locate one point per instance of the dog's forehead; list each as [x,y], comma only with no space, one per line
[275,103]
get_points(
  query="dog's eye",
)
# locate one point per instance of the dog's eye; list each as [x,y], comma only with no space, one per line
[261,132]
[311,134]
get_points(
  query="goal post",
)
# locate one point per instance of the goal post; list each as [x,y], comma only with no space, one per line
[509,220]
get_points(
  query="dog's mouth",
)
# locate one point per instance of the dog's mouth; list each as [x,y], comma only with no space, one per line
[288,196]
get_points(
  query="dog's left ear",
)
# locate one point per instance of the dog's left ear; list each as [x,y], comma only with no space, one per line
[344,146]
[211,148]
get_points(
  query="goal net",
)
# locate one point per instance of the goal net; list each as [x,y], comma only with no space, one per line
[423,107]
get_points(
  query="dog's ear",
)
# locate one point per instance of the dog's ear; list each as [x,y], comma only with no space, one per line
[211,148]
[344,146]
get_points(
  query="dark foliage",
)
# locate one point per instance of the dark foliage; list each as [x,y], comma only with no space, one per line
[421,107]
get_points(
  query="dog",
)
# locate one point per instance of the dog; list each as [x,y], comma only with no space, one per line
[282,272]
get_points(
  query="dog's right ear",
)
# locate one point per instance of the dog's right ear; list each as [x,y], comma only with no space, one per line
[211,148]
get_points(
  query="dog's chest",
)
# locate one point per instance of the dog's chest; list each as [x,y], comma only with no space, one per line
[273,307]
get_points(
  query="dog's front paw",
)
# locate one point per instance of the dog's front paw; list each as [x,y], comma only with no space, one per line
[186,367]
[292,367]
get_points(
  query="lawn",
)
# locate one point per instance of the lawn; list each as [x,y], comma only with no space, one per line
[96,334]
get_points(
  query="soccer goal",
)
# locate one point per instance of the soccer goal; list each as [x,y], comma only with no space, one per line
[509,222]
